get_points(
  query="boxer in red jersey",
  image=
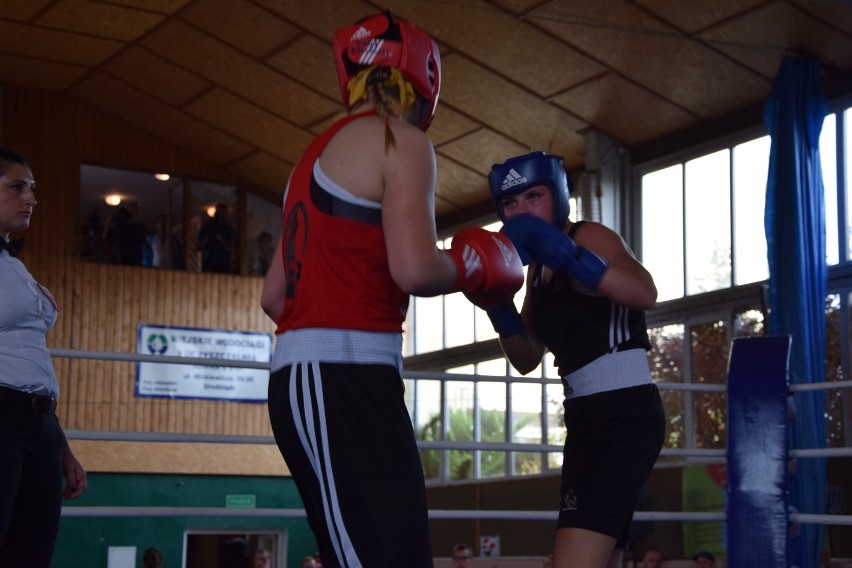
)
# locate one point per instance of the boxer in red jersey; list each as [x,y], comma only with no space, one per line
[358,238]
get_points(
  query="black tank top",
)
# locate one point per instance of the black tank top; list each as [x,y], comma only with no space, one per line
[578,328]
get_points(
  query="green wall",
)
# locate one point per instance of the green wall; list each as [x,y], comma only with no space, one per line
[84,541]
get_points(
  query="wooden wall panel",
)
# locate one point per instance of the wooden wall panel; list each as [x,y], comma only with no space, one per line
[100,311]
[185,458]
[100,304]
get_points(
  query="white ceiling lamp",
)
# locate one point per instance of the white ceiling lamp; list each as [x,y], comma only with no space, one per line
[113,199]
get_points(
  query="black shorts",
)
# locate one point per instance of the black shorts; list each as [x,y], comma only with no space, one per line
[612,443]
[347,438]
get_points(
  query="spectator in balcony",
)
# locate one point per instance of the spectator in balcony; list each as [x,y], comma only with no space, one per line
[262,254]
[34,453]
[156,253]
[126,234]
[216,241]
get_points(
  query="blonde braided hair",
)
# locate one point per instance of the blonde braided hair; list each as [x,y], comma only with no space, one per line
[387,90]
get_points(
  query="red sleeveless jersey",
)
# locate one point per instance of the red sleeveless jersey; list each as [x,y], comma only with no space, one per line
[335,259]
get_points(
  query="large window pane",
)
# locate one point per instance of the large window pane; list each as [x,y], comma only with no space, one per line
[751,166]
[427,423]
[710,348]
[708,223]
[828,159]
[526,425]
[556,432]
[555,420]
[662,242]
[847,144]
[428,324]
[492,421]
[834,399]
[460,404]
[667,365]
[459,329]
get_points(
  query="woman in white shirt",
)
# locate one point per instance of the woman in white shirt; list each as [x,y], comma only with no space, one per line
[34,453]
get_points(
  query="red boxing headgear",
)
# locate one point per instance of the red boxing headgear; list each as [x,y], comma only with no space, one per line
[385,40]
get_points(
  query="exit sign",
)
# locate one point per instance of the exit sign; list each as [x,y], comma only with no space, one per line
[240,501]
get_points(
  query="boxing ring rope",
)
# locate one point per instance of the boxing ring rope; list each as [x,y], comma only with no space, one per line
[548,516]
[444,514]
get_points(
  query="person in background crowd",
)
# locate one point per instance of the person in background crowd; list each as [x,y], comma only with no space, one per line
[704,559]
[34,453]
[262,255]
[461,555]
[216,241]
[652,558]
[126,235]
[152,558]
[262,558]
[157,244]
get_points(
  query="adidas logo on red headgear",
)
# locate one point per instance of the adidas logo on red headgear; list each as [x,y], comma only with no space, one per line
[361,33]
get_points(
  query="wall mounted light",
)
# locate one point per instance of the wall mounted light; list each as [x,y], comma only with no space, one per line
[162,177]
[113,199]
[211,210]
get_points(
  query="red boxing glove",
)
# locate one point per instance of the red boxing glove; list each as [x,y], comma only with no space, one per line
[489,268]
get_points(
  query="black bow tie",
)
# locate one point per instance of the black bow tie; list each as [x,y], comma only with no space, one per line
[13,246]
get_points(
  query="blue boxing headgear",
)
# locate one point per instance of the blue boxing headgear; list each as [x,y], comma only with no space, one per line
[518,174]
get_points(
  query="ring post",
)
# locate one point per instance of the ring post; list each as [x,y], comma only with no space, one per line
[757,452]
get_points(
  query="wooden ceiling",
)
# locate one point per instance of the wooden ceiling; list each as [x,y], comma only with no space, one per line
[246,84]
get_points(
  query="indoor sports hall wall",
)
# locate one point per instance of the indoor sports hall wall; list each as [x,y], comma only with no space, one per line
[101,304]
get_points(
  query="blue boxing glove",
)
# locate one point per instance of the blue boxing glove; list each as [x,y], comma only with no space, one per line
[538,240]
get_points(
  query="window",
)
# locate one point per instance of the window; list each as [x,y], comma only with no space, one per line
[455,410]
[146,219]
[712,237]
[709,263]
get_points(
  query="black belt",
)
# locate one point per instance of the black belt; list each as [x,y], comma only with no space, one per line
[37,402]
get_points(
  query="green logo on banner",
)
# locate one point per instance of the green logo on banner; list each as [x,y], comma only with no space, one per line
[157,344]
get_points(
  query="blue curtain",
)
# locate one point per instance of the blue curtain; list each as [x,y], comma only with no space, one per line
[795,236]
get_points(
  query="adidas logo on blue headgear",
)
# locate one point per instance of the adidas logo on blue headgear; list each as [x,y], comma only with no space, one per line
[512,179]
[518,174]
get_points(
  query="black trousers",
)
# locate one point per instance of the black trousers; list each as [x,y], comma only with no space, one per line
[30,485]
[346,436]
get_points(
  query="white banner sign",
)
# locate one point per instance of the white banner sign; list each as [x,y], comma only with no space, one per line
[174,380]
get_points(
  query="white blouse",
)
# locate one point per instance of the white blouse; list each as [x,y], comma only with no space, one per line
[27,312]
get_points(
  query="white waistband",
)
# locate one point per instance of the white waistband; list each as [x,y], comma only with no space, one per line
[610,372]
[337,346]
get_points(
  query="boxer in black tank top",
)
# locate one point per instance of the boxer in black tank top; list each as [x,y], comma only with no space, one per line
[586,300]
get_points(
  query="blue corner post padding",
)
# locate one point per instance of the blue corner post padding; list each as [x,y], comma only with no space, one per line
[757,452]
